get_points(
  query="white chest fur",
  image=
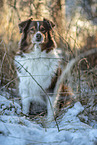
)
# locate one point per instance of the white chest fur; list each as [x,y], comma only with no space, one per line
[42,66]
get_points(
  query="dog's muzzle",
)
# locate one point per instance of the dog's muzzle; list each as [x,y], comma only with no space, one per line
[38,38]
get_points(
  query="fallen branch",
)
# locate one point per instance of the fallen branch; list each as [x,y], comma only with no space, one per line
[69,67]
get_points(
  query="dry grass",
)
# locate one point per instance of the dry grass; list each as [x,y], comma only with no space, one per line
[7,69]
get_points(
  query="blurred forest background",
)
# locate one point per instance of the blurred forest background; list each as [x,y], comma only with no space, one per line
[75,33]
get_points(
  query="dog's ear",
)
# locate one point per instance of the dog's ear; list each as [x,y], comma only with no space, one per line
[49,23]
[23,25]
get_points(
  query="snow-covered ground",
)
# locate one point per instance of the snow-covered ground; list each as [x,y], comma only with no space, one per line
[17,130]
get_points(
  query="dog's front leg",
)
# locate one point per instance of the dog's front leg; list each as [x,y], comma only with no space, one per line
[50,110]
[25,104]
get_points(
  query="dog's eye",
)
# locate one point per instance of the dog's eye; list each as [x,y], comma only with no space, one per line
[42,30]
[32,30]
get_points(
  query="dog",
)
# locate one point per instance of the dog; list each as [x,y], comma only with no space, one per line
[37,64]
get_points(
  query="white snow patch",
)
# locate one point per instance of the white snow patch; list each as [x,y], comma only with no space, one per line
[17,130]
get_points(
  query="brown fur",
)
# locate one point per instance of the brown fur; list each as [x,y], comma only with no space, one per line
[45,28]
[65,96]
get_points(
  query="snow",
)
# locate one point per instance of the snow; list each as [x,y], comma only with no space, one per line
[19,130]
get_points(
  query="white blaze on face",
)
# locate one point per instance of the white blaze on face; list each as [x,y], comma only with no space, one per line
[38,32]
[37,26]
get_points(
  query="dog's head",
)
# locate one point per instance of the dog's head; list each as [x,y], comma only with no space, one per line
[36,32]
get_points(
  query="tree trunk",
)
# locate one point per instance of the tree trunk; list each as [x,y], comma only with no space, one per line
[41,10]
[1,3]
[58,15]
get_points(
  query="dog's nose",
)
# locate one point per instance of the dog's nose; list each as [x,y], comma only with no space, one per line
[38,37]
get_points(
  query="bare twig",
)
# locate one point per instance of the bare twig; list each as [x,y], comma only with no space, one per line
[8,83]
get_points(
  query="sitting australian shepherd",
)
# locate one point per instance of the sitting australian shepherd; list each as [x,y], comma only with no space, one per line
[37,65]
